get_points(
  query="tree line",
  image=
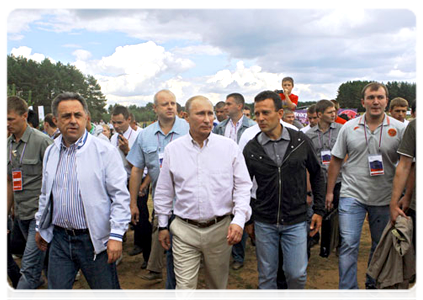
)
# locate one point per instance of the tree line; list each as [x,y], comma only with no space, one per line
[40,83]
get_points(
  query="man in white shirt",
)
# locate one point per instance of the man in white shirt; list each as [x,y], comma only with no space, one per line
[124,139]
[233,127]
[208,176]
[398,109]
[133,123]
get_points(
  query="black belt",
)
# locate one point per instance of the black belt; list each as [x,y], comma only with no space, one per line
[204,224]
[72,232]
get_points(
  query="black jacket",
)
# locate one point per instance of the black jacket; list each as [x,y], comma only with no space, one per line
[282,191]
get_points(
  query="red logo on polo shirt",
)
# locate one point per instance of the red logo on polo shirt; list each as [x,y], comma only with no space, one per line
[356,127]
[392,132]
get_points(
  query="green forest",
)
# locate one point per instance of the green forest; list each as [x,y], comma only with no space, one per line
[40,83]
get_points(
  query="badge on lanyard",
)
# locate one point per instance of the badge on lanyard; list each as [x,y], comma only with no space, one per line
[325,156]
[17,180]
[376,164]
[161,155]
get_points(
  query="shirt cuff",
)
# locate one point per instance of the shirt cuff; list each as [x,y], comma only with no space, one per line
[163,220]
[116,237]
[239,220]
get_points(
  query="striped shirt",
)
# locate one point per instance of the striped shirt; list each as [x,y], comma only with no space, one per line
[68,209]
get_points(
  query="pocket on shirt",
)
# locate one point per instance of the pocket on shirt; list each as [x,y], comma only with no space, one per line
[151,156]
[31,167]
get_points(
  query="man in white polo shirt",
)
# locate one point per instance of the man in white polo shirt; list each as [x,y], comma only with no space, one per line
[371,143]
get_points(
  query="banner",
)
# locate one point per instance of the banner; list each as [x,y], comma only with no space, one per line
[41,113]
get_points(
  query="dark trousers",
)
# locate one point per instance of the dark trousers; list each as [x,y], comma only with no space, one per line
[143,229]
[12,268]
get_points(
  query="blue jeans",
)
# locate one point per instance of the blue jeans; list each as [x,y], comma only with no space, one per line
[33,258]
[238,250]
[293,241]
[69,253]
[352,214]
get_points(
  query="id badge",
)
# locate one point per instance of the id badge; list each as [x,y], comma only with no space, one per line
[17,180]
[376,165]
[161,155]
[325,156]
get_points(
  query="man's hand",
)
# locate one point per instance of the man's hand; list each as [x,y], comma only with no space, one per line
[135,214]
[41,243]
[234,234]
[143,190]
[123,144]
[249,229]
[399,209]
[114,250]
[164,238]
[316,223]
[329,201]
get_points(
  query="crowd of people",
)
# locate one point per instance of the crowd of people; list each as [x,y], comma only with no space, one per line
[217,176]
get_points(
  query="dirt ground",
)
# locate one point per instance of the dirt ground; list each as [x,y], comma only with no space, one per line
[322,273]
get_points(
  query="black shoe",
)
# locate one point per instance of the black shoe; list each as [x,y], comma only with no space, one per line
[135,251]
[144,265]
[372,293]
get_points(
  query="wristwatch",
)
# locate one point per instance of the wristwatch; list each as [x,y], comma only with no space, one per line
[309,193]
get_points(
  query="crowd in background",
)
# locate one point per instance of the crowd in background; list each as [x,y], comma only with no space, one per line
[217,175]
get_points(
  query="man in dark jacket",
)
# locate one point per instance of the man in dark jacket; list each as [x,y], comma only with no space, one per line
[278,159]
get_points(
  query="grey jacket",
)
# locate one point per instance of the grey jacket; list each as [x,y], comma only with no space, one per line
[221,127]
[393,262]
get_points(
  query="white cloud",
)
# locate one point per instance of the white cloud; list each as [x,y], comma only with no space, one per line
[27,53]
[132,69]
[82,55]
[71,46]
[197,50]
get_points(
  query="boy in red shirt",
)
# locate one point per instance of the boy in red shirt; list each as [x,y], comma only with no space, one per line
[289,100]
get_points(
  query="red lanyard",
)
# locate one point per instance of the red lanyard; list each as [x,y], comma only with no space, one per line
[365,133]
[22,154]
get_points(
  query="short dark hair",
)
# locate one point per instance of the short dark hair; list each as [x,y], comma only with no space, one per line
[247,108]
[17,104]
[374,86]
[119,109]
[323,105]
[398,101]
[68,96]
[239,99]
[33,118]
[335,103]
[290,79]
[415,104]
[49,119]
[178,108]
[277,101]
[219,104]
[131,115]
[311,109]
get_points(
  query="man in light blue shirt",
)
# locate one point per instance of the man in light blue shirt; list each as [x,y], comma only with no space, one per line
[148,151]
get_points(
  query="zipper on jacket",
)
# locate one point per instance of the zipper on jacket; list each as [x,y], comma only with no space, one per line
[280,180]
[280,191]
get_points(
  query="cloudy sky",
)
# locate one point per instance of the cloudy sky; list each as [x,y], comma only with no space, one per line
[133,53]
